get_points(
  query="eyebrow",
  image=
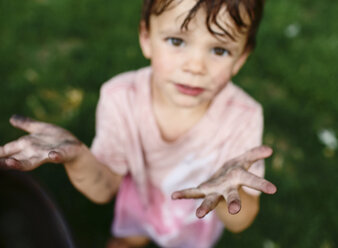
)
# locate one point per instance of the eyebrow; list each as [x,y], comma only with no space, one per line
[165,31]
[226,40]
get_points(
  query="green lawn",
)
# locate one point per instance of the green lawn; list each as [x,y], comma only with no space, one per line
[55,54]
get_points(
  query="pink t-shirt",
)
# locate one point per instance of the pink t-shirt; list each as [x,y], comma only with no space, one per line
[129,142]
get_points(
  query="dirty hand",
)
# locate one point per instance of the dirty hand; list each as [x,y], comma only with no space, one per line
[226,181]
[45,143]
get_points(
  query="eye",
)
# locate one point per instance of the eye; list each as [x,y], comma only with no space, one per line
[219,51]
[175,41]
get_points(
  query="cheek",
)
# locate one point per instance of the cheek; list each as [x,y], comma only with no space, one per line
[221,78]
[158,64]
[161,67]
[163,61]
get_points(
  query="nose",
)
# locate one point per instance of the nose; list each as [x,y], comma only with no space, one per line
[194,62]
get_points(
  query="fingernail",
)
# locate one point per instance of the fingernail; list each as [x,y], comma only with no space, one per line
[272,189]
[11,164]
[266,149]
[234,208]
[55,156]
[200,213]
[18,117]
[177,195]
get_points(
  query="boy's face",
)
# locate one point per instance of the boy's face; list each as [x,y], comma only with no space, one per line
[190,66]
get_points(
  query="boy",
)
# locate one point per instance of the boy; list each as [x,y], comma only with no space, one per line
[178,125]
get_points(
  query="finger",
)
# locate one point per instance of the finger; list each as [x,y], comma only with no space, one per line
[233,201]
[26,124]
[22,162]
[9,149]
[208,204]
[187,193]
[27,164]
[56,156]
[256,154]
[252,181]
[10,164]
[64,154]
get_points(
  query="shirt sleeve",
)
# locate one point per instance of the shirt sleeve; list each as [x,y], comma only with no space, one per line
[107,145]
[246,135]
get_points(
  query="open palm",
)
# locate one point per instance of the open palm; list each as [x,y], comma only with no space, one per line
[226,181]
[45,143]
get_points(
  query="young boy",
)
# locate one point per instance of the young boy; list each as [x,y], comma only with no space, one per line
[178,125]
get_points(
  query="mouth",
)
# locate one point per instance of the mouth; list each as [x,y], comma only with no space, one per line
[188,90]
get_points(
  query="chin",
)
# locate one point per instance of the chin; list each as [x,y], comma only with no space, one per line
[189,103]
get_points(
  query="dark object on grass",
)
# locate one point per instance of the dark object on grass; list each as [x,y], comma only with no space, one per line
[28,217]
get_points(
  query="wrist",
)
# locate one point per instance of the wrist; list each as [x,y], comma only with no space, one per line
[81,152]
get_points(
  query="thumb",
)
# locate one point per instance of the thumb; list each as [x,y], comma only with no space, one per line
[26,124]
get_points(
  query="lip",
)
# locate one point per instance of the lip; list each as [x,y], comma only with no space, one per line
[188,90]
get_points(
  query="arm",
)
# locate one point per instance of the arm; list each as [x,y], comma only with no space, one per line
[92,178]
[239,222]
[47,143]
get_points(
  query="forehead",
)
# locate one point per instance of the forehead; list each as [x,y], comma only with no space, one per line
[186,13]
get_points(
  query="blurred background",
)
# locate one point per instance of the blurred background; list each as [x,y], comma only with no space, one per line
[55,55]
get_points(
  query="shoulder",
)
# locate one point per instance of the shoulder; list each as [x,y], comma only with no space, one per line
[123,83]
[241,100]
[236,107]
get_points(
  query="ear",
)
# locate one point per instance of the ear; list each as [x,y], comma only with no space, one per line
[240,62]
[144,39]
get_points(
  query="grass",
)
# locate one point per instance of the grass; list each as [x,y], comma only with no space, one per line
[56,54]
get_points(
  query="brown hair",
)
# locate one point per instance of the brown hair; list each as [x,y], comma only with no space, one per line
[253,8]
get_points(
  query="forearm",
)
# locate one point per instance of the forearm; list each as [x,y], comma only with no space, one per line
[91,177]
[239,222]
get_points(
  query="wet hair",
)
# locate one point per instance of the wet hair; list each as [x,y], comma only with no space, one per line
[253,9]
